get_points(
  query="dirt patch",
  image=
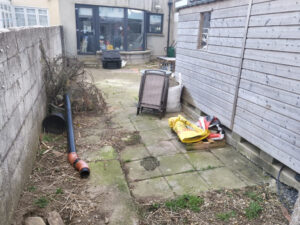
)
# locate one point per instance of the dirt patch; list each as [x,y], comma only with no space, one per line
[150,163]
[251,205]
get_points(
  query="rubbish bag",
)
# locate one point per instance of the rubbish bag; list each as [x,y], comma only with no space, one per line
[186,131]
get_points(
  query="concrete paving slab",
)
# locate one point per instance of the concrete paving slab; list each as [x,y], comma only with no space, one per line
[104,153]
[145,124]
[108,174]
[202,160]
[174,164]
[151,137]
[187,183]
[244,168]
[135,171]
[152,189]
[162,148]
[133,152]
[220,178]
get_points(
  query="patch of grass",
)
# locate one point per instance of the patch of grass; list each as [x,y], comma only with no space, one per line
[59,191]
[42,202]
[185,202]
[254,196]
[253,211]
[225,216]
[31,188]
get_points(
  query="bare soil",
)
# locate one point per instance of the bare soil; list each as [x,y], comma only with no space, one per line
[216,205]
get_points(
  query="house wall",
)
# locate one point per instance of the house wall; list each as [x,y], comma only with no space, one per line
[51,5]
[268,103]
[23,107]
[155,42]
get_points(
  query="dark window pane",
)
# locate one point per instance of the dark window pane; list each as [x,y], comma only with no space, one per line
[111,28]
[86,29]
[155,23]
[135,30]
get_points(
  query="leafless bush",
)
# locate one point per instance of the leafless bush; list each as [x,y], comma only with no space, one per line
[67,75]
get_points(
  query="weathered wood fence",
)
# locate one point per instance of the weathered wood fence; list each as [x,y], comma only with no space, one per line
[249,75]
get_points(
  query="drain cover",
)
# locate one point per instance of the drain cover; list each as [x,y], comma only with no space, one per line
[150,163]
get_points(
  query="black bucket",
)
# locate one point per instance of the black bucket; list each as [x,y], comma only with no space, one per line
[55,122]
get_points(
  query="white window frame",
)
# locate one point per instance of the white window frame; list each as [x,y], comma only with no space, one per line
[37,15]
[6,15]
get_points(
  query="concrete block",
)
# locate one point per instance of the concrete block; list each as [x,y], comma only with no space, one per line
[3,56]
[266,157]
[23,38]
[10,44]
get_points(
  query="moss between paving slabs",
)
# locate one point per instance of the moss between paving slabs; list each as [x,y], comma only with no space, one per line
[174,164]
[108,173]
[202,160]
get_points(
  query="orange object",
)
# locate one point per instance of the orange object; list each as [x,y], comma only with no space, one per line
[79,164]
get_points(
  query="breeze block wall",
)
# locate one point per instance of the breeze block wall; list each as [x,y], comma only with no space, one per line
[22,106]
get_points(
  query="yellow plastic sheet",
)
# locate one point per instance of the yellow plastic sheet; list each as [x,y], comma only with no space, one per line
[186,131]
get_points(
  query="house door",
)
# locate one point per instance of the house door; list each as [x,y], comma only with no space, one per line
[85,27]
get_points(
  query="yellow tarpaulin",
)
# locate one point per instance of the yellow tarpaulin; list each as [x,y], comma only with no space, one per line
[186,131]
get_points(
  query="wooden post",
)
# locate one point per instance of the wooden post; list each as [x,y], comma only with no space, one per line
[237,84]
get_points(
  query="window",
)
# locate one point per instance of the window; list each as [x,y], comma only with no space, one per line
[111,28]
[135,29]
[31,16]
[204,29]
[155,23]
[6,19]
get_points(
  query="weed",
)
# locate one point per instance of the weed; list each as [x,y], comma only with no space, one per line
[59,191]
[31,188]
[209,167]
[127,160]
[225,216]
[48,138]
[253,211]
[254,196]
[42,202]
[185,202]
[154,207]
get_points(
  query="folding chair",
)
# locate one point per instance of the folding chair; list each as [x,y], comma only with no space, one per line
[153,92]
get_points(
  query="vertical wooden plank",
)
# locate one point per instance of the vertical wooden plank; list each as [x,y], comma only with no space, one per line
[240,66]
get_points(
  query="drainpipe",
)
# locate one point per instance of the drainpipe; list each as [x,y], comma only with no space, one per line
[73,158]
[170,3]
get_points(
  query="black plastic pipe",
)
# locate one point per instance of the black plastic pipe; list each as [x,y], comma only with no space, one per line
[79,164]
[170,3]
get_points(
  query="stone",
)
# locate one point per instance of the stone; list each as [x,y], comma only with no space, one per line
[162,148]
[54,218]
[108,174]
[152,189]
[174,164]
[133,152]
[105,153]
[187,183]
[34,221]
[145,124]
[151,137]
[136,171]
[202,160]
[220,178]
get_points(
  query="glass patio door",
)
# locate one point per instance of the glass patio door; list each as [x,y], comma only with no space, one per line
[85,26]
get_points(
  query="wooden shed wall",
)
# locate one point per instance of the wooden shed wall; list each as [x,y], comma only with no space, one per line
[268,103]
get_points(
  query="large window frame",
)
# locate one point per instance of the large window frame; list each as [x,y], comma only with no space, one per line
[161,23]
[97,21]
[6,15]
[38,13]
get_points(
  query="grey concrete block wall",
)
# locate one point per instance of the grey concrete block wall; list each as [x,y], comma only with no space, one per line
[22,106]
